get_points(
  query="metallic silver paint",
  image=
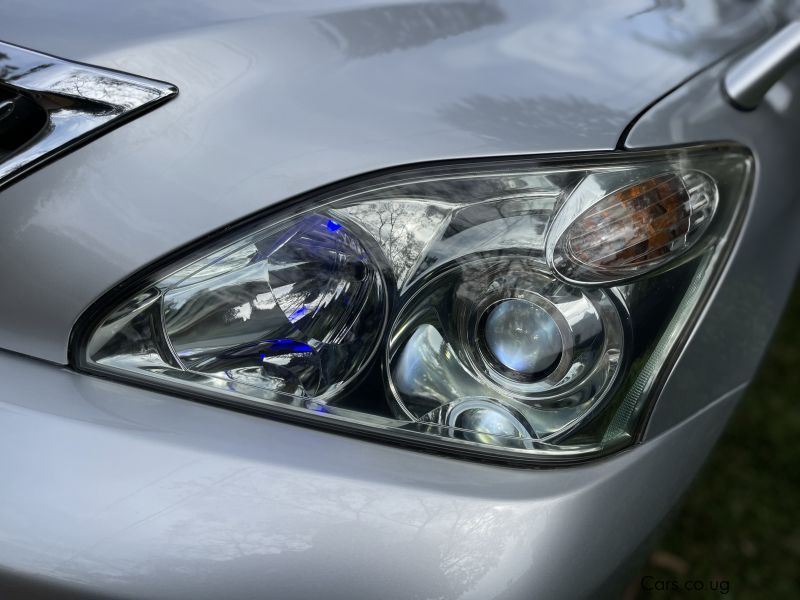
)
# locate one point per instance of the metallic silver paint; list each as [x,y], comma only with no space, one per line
[749,79]
[729,342]
[122,492]
[116,491]
[294,97]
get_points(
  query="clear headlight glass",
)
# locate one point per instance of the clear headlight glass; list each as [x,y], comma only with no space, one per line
[523,309]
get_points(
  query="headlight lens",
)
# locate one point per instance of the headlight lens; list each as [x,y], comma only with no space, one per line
[522,338]
[297,311]
[515,308]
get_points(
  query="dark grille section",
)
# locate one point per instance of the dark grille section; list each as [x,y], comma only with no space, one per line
[21,121]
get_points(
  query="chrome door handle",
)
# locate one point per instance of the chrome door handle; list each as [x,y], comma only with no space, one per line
[748,80]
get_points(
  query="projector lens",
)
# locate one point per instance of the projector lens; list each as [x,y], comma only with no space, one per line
[523,338]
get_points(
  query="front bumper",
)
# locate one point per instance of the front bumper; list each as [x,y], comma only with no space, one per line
[112,490]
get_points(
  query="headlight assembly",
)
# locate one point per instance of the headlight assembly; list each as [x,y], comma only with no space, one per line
[522,309]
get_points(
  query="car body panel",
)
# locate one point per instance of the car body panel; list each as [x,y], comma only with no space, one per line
[117,491]
[727,347]
[280,98]
[113,490]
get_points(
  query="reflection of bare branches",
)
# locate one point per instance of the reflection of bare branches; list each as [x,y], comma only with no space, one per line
[444,537]
[118,94]
[115,94]
[211,526]
[461,559]
[402,228]
[369,31]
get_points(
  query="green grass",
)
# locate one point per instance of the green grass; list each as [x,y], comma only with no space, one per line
[741,521]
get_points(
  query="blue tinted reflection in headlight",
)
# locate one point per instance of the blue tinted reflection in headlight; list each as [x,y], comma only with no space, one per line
[292,317]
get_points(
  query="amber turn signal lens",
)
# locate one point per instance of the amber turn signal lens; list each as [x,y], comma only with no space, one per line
[637,228]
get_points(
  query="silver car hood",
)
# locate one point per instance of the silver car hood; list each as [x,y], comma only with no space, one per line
[278,98]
